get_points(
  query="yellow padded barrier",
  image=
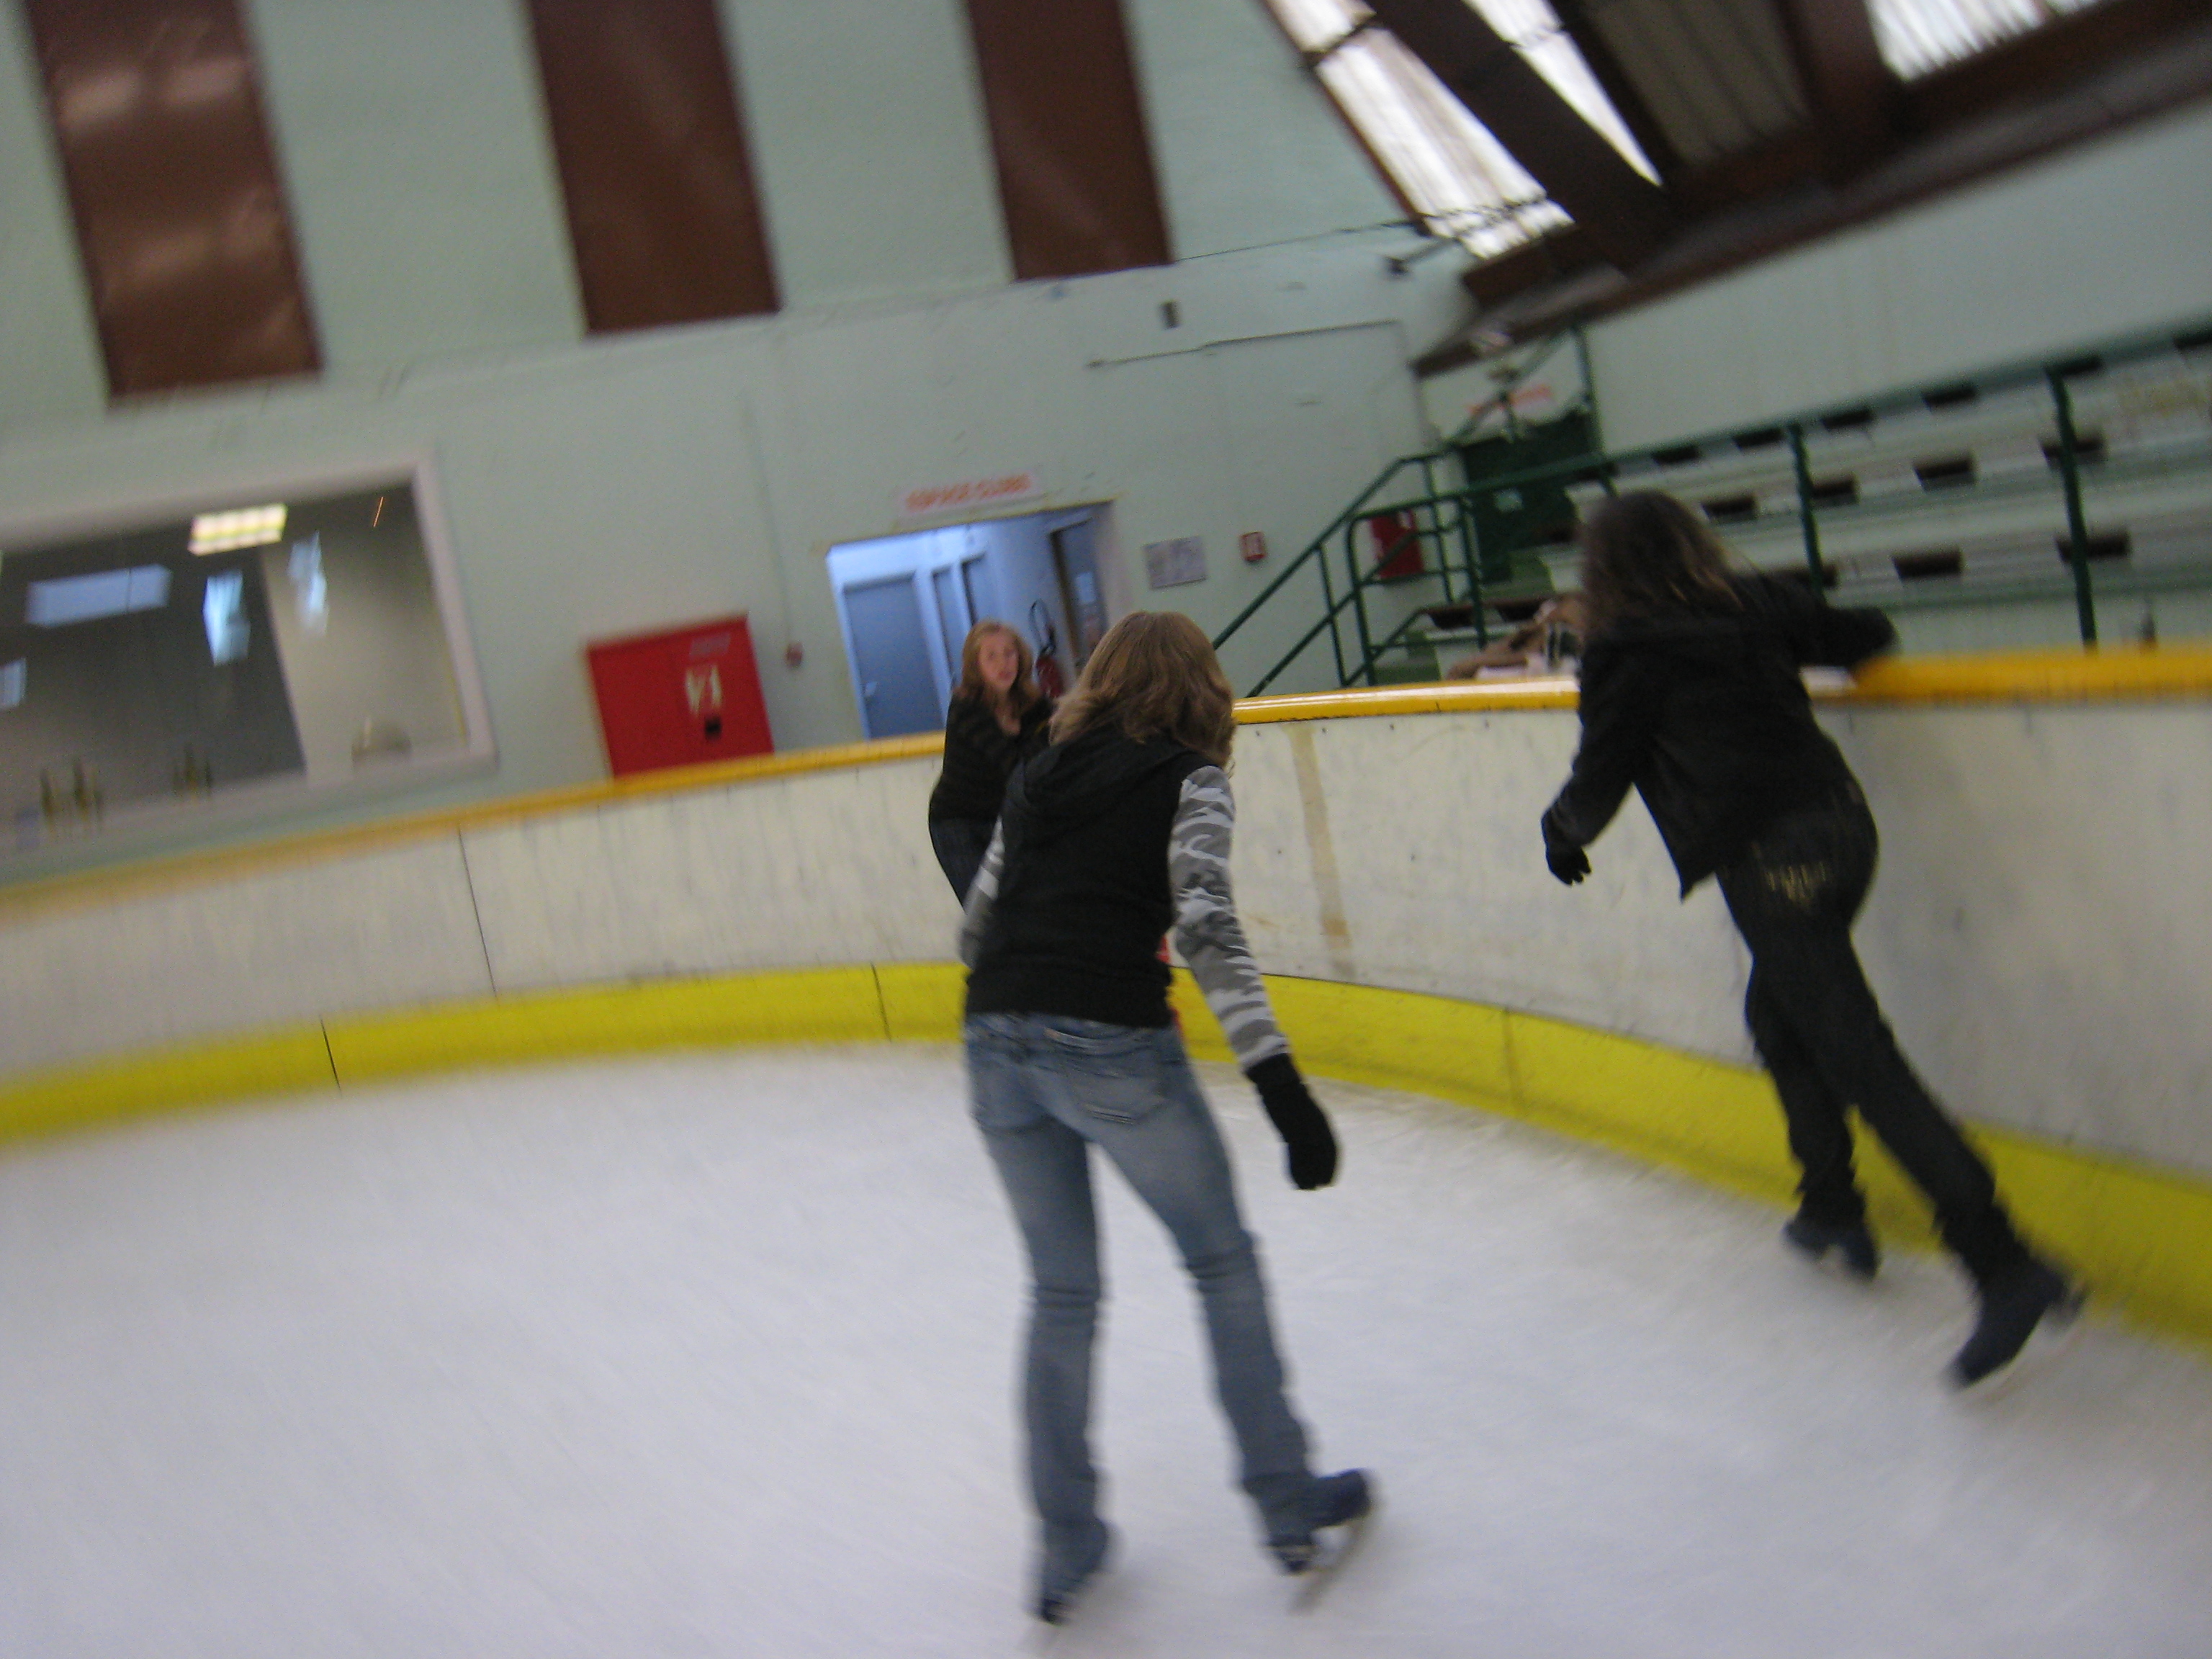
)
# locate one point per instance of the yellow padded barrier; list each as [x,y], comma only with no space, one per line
[833,1005]
[100,1093]
[2141,1236]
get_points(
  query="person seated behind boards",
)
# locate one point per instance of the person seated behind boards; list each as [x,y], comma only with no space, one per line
[1535,646]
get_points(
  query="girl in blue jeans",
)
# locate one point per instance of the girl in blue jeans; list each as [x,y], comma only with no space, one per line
[1115,835]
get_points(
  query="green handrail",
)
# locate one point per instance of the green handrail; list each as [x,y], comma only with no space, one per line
[1606,469]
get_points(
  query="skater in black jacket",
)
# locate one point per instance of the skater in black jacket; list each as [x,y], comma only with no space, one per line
[1691,692]
[998,719]
[1117,832]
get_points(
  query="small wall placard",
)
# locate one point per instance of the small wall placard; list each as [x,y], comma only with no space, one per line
[1173,565]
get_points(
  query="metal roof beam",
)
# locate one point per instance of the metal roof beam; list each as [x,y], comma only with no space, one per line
[1854,97]
[1627,215]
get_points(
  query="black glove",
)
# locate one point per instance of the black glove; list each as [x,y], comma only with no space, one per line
[1297,1118]
[1569,862]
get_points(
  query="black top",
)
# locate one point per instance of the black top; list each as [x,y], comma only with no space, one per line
[980,755]
[1084,898]
[1706,714]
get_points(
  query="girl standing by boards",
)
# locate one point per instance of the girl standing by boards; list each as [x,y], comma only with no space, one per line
[1116,833]
[1692,692]
[998,718]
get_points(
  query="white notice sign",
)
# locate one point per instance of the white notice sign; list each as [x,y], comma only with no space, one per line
[1173,565]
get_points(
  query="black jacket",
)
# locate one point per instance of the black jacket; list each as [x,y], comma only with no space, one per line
[1084,898]
[1706,714]
[980,755]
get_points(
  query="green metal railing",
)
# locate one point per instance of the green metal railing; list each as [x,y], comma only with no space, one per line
[1441,513]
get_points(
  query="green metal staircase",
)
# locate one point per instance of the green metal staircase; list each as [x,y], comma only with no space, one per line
[2078,479]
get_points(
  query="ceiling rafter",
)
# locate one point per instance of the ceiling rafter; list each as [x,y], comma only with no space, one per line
[1855,97]
[2090,72]
[1627,215]
[2175,69]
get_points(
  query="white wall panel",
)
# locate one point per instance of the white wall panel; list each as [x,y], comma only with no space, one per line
[1432,827]
[2041,929]
[818,869]
[380,929]
[2040,932]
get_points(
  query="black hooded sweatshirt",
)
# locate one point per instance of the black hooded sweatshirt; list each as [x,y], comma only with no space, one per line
[1706,714]
[980,755]
[1084,896]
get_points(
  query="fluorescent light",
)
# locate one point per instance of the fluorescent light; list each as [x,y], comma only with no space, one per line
[12,676]
[244,527]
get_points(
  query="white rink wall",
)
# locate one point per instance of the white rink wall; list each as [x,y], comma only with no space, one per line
[2040,932]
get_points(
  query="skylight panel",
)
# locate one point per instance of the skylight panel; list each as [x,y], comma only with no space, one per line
[1457,176]
[1462,182]
[1917,36]
[1538,35]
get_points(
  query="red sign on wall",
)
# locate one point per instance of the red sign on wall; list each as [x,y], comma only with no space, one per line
[679,698]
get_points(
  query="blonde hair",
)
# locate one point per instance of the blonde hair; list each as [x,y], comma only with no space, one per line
[1154,675]
[1018,695]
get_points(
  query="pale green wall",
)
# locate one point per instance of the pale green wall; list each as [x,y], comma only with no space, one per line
[869,146]
[413,142]
[1219,76]
[596,487]
[602,486]
[2098,242]
[50,367]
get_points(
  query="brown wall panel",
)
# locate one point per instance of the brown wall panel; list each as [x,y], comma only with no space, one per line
[1068,131]
[662,208]
[179,212]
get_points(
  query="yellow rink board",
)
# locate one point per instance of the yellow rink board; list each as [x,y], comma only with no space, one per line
[2141,1236]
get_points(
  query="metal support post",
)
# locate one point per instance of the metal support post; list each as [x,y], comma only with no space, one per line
[2078,523]
[1805,517]
[1359,598]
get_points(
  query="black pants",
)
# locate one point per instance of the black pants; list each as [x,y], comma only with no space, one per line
[1794,894]
[960,844]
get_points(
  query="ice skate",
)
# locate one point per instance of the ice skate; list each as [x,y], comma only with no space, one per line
[1339,1505]
[1061,1585]
[2033,1301]
[1849,1247]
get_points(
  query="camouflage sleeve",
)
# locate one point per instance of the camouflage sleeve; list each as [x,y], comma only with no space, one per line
[1207,929]
[981,894]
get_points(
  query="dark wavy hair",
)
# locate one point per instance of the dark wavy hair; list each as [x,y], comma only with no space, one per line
[1154,675]
[1645,554]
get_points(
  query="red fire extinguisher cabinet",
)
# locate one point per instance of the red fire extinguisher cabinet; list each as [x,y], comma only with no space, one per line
[681,697]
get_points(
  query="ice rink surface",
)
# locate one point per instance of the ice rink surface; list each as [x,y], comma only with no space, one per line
[714,1355]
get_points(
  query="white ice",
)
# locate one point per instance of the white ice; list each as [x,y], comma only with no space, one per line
[714,1355]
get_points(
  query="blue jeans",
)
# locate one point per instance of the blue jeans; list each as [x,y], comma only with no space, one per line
[1045,1090]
